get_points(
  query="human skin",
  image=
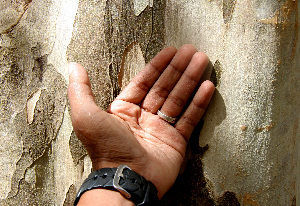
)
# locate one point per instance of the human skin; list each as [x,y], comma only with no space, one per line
[130,131]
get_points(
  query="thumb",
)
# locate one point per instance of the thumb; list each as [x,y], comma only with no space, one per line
[85,114]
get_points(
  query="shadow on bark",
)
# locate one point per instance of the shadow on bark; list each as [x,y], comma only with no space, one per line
[191,187]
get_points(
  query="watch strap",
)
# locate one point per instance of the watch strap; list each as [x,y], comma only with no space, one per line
[129,183]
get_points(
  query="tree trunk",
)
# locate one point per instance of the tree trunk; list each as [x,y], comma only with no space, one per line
[246,149]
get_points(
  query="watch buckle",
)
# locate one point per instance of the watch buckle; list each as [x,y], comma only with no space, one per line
[116,180]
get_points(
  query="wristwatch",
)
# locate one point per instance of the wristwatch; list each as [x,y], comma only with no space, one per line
[129,183]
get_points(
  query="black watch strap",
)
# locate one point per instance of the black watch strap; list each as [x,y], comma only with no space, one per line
[123,179]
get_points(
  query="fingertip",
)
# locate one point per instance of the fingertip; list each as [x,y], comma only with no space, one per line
[207,89]
[171,49]
[188,47]
[209,85]
[75,67]
[79,88]
[202,56]
[78,74]
[199,61]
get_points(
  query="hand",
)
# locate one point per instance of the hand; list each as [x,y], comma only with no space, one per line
[130,132]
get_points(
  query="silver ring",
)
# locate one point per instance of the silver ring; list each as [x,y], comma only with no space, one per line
[166,117]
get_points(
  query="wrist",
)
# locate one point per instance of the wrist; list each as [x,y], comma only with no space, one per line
[122,180]
[144,170]
[103,197]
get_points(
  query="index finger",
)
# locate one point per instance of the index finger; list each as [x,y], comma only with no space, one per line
[139,86]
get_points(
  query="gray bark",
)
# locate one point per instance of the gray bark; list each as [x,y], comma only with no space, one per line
[246,149]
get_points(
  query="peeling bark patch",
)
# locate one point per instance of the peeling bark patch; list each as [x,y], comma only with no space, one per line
[70,196]
[44,186]
[228,199]
[40,63]
[77,149]
[30,175]
[283,15]
[244,128]
[228,8]
[25,195]
[126,28]
[286,21]
[140,5]
[39,181]
[132,63]
[48,117]
[30,106]
[216,73]
[250,199]
[267,128]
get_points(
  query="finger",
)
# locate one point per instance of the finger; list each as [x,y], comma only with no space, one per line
[82,102]
[79,89]
[94,127]
[182,92]
[139,86]
[161,89]
[191,117]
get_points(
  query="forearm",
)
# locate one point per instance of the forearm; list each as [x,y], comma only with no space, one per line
[103,197]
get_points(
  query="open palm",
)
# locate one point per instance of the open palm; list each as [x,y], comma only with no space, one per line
[131,132]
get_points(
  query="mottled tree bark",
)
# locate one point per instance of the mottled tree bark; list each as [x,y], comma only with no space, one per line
[246,149]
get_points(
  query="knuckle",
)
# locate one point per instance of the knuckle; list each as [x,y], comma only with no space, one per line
[161,91]
[191,78]
[142,85]
[183,134]
[199,105]
[190,121]
[177,100]
[150,64]
[176,68]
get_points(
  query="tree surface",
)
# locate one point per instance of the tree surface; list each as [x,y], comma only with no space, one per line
[246,151]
